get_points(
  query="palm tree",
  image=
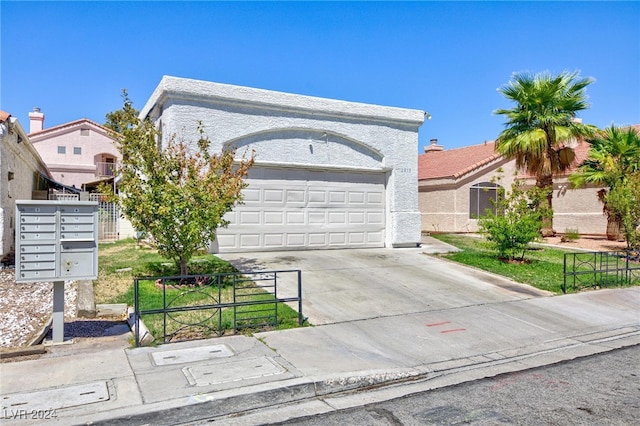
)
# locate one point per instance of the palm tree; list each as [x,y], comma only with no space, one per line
[541,125]
[613,157]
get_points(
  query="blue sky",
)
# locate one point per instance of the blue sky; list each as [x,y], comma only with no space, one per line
[72,59]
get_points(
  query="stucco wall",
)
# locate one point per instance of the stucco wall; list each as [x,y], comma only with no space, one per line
[22,160]
[577,209]
[69,168]
[300,131]
[444,203]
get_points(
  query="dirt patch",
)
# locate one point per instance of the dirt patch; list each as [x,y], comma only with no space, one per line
[593,243]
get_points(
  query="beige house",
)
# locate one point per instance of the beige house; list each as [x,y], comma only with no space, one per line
[77,153]
[455,186]
[22,173]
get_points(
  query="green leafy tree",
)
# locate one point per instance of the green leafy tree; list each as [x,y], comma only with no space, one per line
[541,124]
[517,221]
[624,201]
[177,195]
[613,157]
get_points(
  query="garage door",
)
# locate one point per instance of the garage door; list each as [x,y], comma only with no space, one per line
[301,209]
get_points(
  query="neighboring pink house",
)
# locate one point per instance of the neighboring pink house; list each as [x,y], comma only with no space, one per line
[77,153]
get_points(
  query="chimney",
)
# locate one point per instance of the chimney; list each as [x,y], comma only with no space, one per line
[433,146]
[36,121]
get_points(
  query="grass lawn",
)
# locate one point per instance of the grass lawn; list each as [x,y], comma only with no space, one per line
[119,263]
[546,270]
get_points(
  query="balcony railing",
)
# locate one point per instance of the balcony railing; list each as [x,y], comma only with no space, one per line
[106,169]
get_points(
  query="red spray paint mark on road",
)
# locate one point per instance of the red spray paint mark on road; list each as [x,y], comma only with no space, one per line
[455,329]
[438,323]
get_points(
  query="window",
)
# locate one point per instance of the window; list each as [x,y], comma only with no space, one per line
[482,196]
[77,150]
[84,132]
[62,149]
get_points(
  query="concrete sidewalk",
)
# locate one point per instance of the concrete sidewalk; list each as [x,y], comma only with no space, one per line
[274,375]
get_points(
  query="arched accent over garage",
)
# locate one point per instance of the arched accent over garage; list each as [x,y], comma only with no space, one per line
[308,147]
[328,173]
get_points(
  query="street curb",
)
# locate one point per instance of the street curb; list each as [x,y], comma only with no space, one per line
[241,401]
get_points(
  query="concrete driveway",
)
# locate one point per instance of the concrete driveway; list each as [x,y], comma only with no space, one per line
[350,285]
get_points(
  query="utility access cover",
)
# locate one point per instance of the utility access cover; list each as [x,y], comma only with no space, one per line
[180,356]
[54,399]
[203,375]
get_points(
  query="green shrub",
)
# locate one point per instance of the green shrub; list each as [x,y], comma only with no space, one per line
[516,223]
[570,234]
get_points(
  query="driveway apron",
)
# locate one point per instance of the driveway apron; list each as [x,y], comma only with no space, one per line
[358,284]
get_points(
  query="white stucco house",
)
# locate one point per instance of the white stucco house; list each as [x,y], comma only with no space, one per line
[328,173]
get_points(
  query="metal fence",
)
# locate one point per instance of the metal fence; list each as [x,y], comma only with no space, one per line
[201,306]
[108,213]
[601,269]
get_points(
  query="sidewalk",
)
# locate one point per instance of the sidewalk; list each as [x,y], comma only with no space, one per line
[104,381]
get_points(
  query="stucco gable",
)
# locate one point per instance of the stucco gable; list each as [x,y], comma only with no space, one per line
[83,123]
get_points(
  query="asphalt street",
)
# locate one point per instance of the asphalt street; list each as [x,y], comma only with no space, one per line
[602,389]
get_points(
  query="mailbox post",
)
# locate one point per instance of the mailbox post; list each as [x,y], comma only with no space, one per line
[56,241]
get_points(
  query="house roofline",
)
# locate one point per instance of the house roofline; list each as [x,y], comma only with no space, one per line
[37,135]
[199,90]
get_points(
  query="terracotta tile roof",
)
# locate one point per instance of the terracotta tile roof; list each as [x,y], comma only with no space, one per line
[455,162]
[4,116]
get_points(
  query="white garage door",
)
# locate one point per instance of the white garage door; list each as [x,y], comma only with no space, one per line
[301,209]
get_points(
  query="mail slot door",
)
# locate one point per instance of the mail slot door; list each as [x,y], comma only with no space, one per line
[78,259]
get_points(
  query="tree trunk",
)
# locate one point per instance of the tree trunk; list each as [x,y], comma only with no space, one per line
[546,182]
[614,229]
[183,267]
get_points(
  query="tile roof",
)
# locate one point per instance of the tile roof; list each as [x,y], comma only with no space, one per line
[4,116]
[455,162]
[71,124]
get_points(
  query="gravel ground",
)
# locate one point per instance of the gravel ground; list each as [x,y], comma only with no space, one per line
[26,308]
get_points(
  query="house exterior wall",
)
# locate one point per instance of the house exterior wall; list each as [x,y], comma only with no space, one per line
[288,130]
[70,168]
[18,157]
[577,209]
[444,203]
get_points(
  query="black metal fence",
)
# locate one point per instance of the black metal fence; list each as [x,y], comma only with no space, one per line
[601,269]
[201,306]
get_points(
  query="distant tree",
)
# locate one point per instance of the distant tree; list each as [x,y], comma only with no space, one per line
[624,201]
[123,119]
[541,124]
[613,157]
[177,195]
[516,222]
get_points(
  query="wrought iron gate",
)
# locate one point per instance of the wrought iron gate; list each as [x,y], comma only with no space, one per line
[193,307]
[601,269]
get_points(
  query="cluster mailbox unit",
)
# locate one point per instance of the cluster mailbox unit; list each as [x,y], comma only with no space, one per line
[56,241]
